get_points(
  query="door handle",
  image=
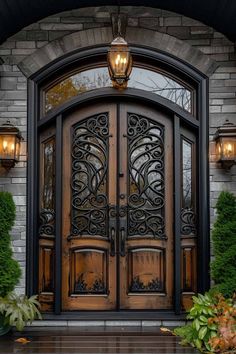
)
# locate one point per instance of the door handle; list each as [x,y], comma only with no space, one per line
[112,250]
[122,242]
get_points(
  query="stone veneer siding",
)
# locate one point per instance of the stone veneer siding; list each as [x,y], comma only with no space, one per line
[13,88]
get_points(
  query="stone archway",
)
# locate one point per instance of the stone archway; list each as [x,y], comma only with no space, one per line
[103,36]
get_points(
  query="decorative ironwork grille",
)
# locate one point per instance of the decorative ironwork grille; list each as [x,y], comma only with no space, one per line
[47,212]
[146,189]
[89,181]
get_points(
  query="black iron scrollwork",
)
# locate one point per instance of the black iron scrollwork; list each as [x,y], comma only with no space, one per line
[146,177]
[155,285]
[47,222]
[188,222]
[97,287]
[89,177]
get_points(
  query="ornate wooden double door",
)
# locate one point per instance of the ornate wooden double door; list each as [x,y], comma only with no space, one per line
[117,209]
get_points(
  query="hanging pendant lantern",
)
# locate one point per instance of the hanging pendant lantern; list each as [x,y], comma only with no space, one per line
[119,61]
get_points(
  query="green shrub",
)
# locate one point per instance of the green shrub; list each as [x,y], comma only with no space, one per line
[223,267]
[9,268]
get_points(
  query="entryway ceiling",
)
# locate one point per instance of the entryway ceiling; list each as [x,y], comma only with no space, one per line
[16,14]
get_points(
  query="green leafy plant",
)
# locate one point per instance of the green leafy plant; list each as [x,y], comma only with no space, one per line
[213,326]
[199,332]
[223,267]
[9,268]
[18,310]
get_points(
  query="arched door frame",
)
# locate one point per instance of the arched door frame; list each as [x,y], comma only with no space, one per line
[35,125]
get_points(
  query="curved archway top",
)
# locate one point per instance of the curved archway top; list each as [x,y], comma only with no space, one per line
[17,14]
[103,36]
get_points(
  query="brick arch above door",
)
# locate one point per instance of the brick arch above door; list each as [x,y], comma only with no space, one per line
[80,40]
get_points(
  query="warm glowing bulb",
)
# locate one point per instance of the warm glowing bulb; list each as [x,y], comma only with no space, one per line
[125,60]
[118,57]
[12,147]
[230,148]
[4,144]
[117,61]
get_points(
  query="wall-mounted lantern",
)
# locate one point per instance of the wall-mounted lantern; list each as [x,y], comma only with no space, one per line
[225,139]
[119,60]
[10,140]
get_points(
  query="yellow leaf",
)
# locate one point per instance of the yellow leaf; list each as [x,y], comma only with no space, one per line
[22,340]
[167,330]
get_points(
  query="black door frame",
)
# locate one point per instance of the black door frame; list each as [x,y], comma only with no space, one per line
[35,124]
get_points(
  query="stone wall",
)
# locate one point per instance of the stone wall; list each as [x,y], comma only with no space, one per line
[13,87]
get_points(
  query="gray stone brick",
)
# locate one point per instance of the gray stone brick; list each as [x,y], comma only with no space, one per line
[75,19]
[5,52]
[22,51]
[18,180]
[37,35]
[8,83]
[25,44]
[61,26]
[17,190]
[179,32]
[149,22]
[19,200]
[57,34]
[229,108]
[172,21]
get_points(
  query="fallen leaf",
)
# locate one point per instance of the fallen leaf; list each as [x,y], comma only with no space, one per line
[167,330]
[22,340]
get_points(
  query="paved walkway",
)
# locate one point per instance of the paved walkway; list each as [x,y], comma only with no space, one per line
[93,341]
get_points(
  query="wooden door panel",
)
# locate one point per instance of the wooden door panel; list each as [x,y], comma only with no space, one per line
[89,225]
[146,262]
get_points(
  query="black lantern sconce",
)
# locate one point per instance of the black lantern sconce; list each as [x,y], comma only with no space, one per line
[225,139]
[10,140]
[119,60]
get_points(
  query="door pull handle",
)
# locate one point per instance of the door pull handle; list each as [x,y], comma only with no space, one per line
[112,250]
[122,242]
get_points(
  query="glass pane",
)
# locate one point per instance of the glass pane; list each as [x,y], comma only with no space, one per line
[47,213]
[49,174]
[146,177]
[187,174]
[89,176]
[162,85]
[96,78]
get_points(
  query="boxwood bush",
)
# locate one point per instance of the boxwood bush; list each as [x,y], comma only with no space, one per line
[9,268]
[223,267]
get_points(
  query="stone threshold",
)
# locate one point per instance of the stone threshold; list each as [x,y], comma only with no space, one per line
[107,323]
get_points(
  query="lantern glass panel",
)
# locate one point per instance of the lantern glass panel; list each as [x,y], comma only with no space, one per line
[219,150]
[119,60]
[7,147]
[229,148]
[17,156]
